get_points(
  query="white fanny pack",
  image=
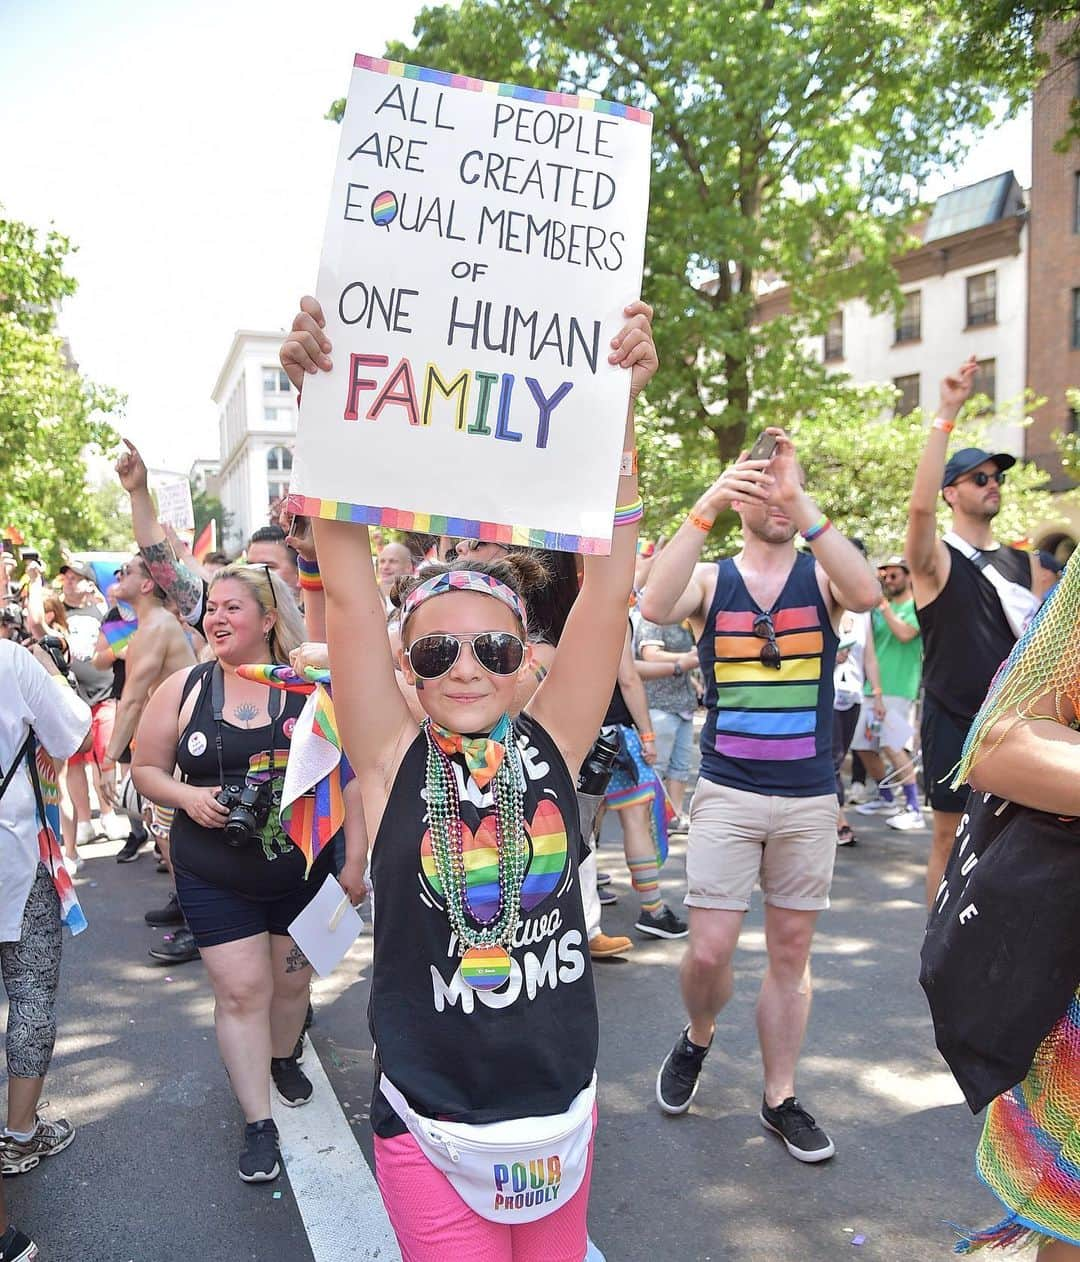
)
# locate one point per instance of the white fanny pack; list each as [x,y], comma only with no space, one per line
[509,1172]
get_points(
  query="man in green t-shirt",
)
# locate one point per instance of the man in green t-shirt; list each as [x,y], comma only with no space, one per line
[898,645]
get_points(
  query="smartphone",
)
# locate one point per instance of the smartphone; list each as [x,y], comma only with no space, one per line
[28,554]
[763,448]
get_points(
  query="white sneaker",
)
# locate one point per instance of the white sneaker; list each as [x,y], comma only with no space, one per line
[877,804]
[85,831]
[116,826]
[906,821]
[72,865]
[865,792]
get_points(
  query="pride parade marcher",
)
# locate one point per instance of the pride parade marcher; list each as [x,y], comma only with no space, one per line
[973,598]
[483,1010]
[765,806]
[1002,959]
[240,878]
[41,718]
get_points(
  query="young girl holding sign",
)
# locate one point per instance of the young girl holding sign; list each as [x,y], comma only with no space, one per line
[482,1005]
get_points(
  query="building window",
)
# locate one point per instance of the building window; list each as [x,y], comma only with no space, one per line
[834,338]
[909,325]
[275,381]
[909,394]
[278,469]
[981,299]
[985,382]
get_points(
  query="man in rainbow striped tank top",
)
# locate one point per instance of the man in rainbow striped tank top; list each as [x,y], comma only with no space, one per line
[765,806]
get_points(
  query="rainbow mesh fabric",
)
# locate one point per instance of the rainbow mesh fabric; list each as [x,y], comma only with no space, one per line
[1029,1154]
[1044,662]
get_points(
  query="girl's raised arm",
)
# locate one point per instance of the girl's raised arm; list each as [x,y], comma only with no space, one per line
[572,700]
[376,726]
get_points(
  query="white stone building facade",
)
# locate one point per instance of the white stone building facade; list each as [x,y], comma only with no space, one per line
[257,432]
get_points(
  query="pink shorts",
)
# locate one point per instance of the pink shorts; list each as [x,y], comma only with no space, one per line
[433,1224]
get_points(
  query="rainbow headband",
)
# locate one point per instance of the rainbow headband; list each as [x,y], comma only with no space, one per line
[463,581]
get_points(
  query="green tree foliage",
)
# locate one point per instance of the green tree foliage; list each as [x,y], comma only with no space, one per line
[209,508]
[48,412]
[859,463]
[1005,34]
[789,141]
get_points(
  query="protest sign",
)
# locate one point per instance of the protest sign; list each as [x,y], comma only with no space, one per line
[174,503]
[481,244]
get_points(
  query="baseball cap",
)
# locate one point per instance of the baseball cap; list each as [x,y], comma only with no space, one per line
[894,560]
[1049,562]
[81,568]
[968,458]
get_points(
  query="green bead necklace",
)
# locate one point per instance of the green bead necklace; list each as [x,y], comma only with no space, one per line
[444,812]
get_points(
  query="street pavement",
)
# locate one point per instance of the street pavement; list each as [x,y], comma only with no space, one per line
[151,1176]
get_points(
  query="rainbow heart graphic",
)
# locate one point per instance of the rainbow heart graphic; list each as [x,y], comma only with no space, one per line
[547,861]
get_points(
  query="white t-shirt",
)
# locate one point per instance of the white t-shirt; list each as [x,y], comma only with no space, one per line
[31,698]
[850,675]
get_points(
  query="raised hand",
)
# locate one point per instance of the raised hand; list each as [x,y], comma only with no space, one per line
[632,347]
[744,480]
[306,348]
[956,388]
[131,469]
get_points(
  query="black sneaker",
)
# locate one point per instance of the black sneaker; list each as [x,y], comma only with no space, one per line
[181,950]
[293,1085]
[605,896]
[298,1050]
[170,914]
[677,1081]
[260,1157]
[131,849]
[662,924]
[16,1246]
[802,1136]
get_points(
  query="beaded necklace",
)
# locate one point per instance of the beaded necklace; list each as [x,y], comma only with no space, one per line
[444,811]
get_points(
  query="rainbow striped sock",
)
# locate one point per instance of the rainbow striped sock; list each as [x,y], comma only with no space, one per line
[645,878]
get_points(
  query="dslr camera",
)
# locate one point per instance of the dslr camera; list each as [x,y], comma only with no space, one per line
[249,809]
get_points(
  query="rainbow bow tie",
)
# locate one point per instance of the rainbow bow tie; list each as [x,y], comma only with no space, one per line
[483,754]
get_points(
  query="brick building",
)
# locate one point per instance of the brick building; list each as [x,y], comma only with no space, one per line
[1053,336]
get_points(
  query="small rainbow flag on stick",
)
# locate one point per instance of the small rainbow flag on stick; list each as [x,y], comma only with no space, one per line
[119,633]
[285,677]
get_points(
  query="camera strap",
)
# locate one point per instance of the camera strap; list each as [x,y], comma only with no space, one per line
[217,706]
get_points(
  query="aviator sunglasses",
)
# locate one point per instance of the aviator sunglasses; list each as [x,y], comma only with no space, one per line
[770,651]
[982,478]
[498,652]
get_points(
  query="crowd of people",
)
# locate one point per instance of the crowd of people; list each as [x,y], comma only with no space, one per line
[489,703]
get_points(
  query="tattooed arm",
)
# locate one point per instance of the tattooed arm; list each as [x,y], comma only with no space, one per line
[168,571]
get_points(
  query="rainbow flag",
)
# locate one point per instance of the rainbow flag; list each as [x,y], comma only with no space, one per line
[312,817]
[71,913]
[206,542]
[119,634]
[285,677]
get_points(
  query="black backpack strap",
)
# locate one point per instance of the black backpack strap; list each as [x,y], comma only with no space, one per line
[25,749]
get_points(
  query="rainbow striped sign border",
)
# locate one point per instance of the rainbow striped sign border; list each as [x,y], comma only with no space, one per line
[455,527]
[595,104]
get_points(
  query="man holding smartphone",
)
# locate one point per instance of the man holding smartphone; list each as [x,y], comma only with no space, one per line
[765,806]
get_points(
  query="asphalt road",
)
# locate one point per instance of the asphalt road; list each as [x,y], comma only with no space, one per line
[151,1176]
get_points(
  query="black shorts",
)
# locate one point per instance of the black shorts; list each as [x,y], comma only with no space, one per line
[216,915]
[943,736]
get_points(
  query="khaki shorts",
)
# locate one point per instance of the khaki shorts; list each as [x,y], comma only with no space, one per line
[738,838]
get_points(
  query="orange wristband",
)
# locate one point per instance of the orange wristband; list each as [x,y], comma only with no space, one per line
[646,736]
[699,523]
[946,427]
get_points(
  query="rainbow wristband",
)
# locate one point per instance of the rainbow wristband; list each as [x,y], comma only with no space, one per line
[629,514]
[817,529]
[310,578]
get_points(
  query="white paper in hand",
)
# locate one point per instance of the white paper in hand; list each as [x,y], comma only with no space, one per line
[326,928]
